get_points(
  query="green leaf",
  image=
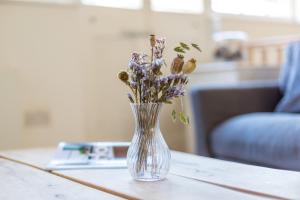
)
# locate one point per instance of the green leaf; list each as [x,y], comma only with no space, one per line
[173,115]
[196,46]
[183,118]
[179,49]
[184,46]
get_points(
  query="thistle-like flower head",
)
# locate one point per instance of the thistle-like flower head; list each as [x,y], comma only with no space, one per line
[123,76]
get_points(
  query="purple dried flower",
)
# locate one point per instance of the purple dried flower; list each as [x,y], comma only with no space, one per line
[174,92]
[161,43]
[164,79]
[157,62]
[135,57]
[157,53]
[171,77]
[145,72]
[157,83]
[159,48]
[133,84]
[137,61]
[134,66]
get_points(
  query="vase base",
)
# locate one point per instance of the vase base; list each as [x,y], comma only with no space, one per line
[143,179]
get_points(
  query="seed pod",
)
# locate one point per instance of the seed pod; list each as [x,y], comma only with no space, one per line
[189,67]
[152,40]
[177,64]
[123,76]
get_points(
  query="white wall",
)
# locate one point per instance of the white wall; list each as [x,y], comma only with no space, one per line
[40,45]
[63,61]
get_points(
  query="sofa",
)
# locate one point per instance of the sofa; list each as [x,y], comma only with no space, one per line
[237,122]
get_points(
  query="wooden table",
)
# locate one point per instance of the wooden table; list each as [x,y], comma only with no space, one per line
[23,176]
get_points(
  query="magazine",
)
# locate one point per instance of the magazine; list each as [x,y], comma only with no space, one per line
[89,155]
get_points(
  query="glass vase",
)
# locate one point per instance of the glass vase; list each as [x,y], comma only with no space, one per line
[148,157]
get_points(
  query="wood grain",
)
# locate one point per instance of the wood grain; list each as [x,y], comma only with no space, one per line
[22,182]
[248,178]
[174,187]
[38,157]
[119,182]
[258,181]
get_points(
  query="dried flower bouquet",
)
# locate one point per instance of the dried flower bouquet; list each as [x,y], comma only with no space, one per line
[149,85]
[148,157]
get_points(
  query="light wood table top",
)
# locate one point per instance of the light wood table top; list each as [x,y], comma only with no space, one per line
[191,177]
[19,181]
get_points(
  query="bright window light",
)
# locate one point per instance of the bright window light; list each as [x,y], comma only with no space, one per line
[297,10]
[178,6]
[46,1]
[128,4]
[269,8]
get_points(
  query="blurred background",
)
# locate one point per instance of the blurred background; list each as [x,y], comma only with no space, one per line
[59,60]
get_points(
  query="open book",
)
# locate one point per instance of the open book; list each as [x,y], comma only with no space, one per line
[89,155]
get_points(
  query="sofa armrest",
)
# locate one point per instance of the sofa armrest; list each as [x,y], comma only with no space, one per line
[212,105]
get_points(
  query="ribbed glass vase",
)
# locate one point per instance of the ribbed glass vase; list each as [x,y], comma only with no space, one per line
[148,157]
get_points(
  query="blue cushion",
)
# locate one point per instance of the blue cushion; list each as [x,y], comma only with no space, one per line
[286,69]
[270,139]
[290,80]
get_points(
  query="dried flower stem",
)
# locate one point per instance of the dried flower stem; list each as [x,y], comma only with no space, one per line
[146,121]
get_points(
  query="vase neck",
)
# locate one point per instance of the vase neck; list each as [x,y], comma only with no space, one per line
[146,115]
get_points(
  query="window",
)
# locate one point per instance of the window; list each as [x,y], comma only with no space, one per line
[128,4]
[297,10]
[179,6]
[269,8]
[46,1]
